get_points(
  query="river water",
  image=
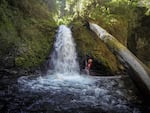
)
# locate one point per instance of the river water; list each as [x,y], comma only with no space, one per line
[100,95]
[64,90]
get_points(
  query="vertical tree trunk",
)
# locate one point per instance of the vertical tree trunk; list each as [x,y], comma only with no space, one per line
[137,70]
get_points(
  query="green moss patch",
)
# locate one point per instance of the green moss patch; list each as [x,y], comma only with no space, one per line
[27,32]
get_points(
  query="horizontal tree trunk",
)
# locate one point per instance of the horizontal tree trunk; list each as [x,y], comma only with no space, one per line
[137,70]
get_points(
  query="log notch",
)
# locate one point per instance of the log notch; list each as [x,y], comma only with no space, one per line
[139,73]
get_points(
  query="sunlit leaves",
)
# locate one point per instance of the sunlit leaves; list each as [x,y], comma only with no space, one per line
[145,3]
[69,9]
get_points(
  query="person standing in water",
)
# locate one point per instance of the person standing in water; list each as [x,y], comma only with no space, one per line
[88,66]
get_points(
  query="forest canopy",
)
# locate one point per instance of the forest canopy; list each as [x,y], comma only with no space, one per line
[67,10]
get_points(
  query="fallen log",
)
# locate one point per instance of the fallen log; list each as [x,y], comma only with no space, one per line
[138,71]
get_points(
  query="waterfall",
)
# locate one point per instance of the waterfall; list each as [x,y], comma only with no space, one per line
[64,56]
[63,66]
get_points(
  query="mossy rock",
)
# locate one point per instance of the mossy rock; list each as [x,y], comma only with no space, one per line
[89,44]
[36,44]
[27,32]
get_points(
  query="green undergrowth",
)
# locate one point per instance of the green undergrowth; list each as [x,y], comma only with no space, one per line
[113,24]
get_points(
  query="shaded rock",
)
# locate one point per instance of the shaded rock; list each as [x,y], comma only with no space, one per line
[8,62]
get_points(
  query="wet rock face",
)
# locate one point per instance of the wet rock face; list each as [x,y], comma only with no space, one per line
[8,62]
[103,95]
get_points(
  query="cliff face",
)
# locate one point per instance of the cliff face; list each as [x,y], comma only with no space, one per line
[139,41]
[27,32]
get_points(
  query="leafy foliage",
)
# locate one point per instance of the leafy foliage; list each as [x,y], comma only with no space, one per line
[146,4]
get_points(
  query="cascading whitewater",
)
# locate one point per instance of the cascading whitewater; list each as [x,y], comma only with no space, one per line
[64,56]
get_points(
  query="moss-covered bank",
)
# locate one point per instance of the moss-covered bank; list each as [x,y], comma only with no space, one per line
[27,32]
